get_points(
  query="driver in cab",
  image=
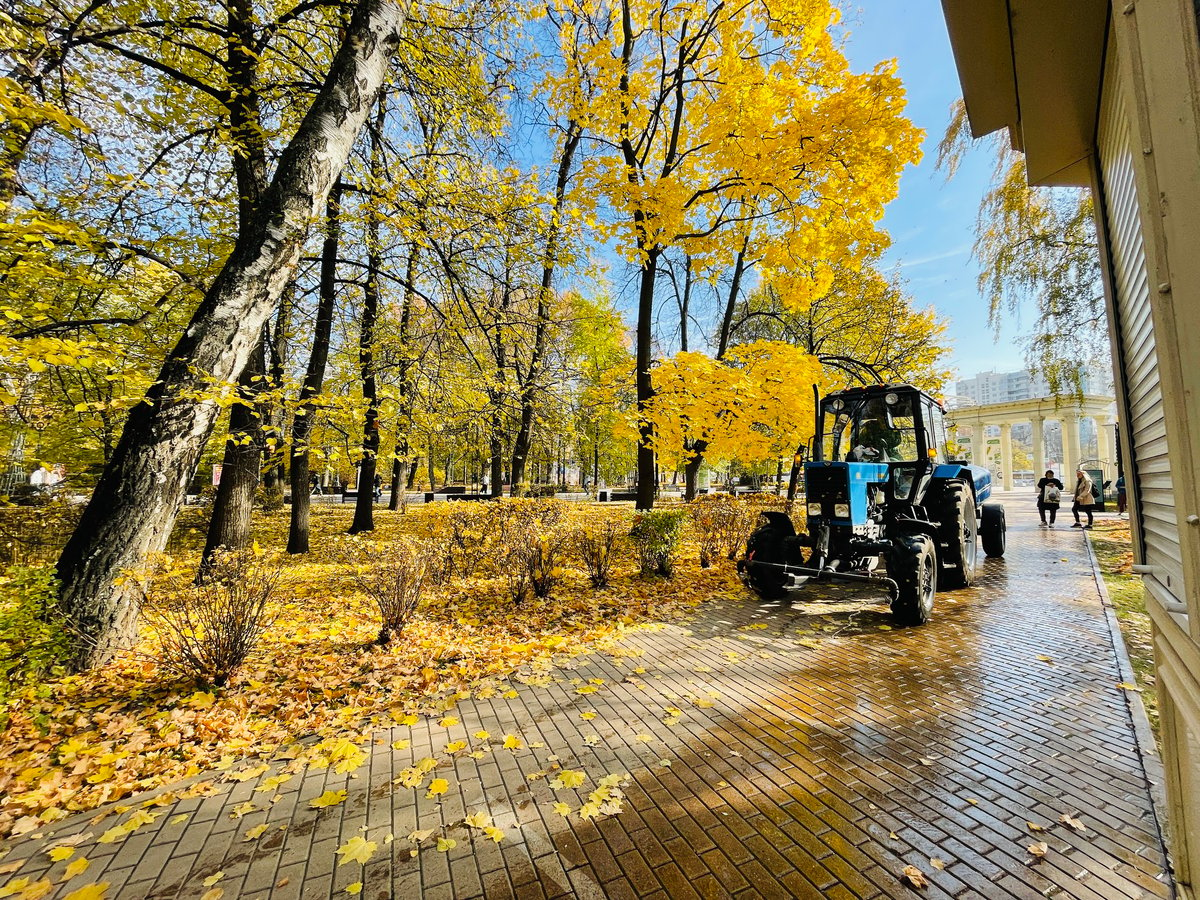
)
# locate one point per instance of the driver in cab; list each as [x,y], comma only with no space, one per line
[877,442]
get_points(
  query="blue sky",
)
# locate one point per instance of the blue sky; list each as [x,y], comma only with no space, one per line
[932,222]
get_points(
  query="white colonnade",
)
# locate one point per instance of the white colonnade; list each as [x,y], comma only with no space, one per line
[1069,412]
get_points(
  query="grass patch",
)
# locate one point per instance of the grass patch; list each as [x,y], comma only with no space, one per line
[1114,551]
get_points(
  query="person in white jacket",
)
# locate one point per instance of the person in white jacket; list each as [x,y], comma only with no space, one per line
[1083,498]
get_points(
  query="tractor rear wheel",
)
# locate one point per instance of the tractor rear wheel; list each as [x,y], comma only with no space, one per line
[992,529]
[913,566]
[955,510]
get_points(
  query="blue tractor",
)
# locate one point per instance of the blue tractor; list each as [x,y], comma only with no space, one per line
[880,484]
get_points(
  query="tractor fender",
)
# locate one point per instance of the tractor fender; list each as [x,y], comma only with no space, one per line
[979,478]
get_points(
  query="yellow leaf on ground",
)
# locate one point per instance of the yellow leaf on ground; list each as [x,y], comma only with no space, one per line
[213,879]
[447,721]
[512,742]
[1072,822]
[482,735]
[1038,850]
[455,746]
[255,833]
[914,876]
[89,892]
[937,863]
[355,888]
[357,849]
[478,820]
[329,798]
[77,867]
[417,836]
[562,809]
[401,745]
[494,833]
[178,820]
[567,779]
[37,890]
[444,844]
[60,853]
[214,894]
[437,786]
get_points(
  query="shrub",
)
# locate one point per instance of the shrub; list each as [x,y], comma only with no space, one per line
[33,642]
[393,575]
[543,557]
[528,545]
[714,519]
[207,629]
[595,545]
[656,535]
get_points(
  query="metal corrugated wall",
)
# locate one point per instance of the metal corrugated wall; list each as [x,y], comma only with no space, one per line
[1149,470]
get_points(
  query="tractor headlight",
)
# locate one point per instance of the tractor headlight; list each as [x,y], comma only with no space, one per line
[841,510]
[814,509]
[891,398]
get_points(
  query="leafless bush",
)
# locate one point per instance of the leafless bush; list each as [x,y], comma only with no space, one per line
[714,519]
[595,545]
[394,576]
[208,628]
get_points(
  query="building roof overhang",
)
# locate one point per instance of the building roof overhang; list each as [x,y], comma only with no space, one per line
[1033,67]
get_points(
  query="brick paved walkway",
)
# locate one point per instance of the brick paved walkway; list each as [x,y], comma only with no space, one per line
[803,750]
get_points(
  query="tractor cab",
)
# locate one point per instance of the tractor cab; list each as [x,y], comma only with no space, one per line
[898,428]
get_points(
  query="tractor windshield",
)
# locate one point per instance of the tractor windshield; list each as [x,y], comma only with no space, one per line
[869,429]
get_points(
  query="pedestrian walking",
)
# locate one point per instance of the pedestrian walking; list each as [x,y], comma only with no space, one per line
[1122,497]
[1049,495]
[1084,499]
[378,487]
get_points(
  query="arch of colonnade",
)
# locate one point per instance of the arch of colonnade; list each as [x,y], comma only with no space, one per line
[1070,412]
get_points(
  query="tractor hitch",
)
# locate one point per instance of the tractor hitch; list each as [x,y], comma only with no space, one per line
[823,574]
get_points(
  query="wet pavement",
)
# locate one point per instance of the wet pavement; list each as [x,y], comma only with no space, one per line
[794,749]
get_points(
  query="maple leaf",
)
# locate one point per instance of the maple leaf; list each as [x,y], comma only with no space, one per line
[402,744]
[512,742]
[213,894]
[478,820]
[1038,850]
[447,721]
[567,779]
[329,798]
[255,833]
[418,836]
[36,890]
[273,782]
[1072,822]
[438,786]
[77,867]
[562,809]
[914,876]
[178,820]
[357,849]
[482,735]
[60,853]
[247,774]
[494,833]
[937,863]
[354,888]
[89,892]
[455,746]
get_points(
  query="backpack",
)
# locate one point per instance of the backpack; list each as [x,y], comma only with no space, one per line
[1050,494]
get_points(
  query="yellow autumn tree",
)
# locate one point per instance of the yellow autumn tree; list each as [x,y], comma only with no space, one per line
[718,124]
[754,405]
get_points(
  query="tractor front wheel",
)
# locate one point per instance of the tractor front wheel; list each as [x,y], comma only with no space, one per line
[913,566]
[771,544]
[956,513]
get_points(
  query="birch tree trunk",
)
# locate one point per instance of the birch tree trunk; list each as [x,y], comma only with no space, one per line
[138,496]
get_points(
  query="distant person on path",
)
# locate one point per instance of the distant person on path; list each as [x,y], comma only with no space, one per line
[378,487]
[1122,497]
[1084,498]
[1049,491]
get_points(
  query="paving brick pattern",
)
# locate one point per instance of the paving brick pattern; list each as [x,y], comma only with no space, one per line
[817,753]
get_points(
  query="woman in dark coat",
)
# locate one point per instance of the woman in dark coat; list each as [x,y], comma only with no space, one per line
[1049,489]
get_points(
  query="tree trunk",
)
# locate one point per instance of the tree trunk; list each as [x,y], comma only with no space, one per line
[524,435]
[229,525]
[645,387]
[139,493]
[364,506]
[401,463]
[691,471]
[314,377]
[275,470]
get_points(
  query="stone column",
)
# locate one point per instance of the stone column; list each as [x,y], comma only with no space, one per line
[1039,446]
[1104,446]
[1070,426]
[1006,455]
